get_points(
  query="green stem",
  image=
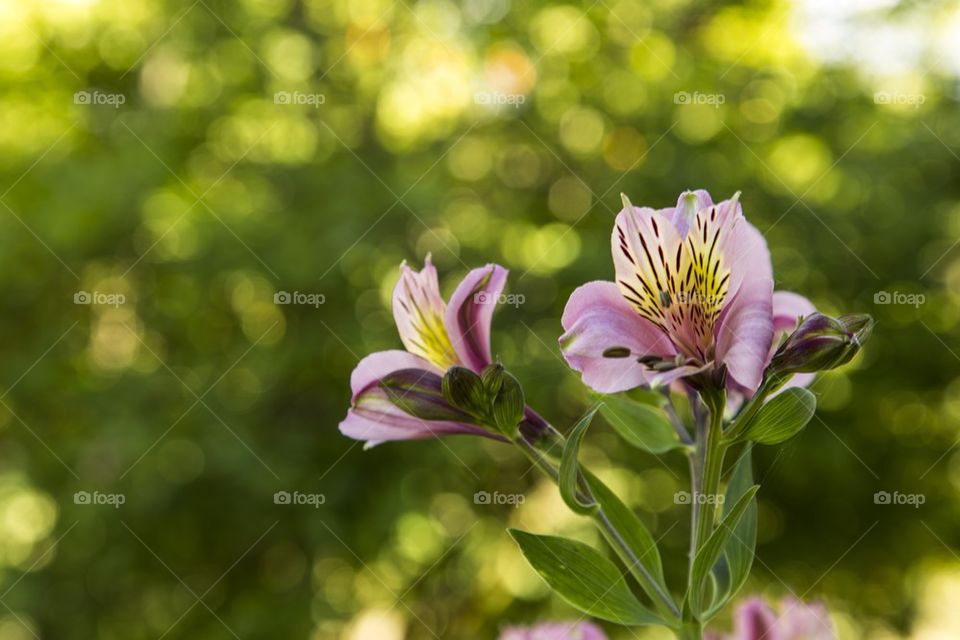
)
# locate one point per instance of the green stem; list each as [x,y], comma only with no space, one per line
[696,477]
[747,414]
[690,631]
[639,571]
[714,450]
[706,468]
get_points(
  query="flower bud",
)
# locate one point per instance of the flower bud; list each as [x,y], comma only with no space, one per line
[464,390]
[492,377]
[821,343]
[420,394]
[508,406]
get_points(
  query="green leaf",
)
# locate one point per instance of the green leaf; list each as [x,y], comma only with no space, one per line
[644,426]
[734,567]
[633,532]
[709,553]
[782,417]
[569,467]
[584,578]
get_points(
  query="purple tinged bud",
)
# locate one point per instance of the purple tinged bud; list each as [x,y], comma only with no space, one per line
[419,393]
[821,343]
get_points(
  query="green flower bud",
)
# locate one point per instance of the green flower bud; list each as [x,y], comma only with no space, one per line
[464,389]
[508,406]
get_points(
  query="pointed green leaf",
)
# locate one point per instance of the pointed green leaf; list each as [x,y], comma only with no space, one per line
[584,578]
[709,553]
[644,426]
[734,567]
[569,467]
[782,417]
[633,532]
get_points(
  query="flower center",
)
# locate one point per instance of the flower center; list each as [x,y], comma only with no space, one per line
[681,283]
[427,337]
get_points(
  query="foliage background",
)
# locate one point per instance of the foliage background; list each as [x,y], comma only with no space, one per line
[200,196]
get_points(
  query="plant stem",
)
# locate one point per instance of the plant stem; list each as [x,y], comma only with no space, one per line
[690,631]
[706,468]
[639,571]
[696,477]
[713,453]
[747,414]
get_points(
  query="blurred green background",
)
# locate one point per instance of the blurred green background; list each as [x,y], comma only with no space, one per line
[166,168]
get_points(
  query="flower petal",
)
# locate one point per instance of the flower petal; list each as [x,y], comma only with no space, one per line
[679,283]
[646,257]
[375,366]
[596,320]
[788,308]
[800,620]
[744,331]
[470,312]
[754,620]
[664,378]
[375,418]
[688,205]
[419,311]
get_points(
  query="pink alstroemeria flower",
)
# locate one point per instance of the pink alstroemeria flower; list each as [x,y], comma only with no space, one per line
[693,292]
[555,631]
[436,336]
[756,620]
